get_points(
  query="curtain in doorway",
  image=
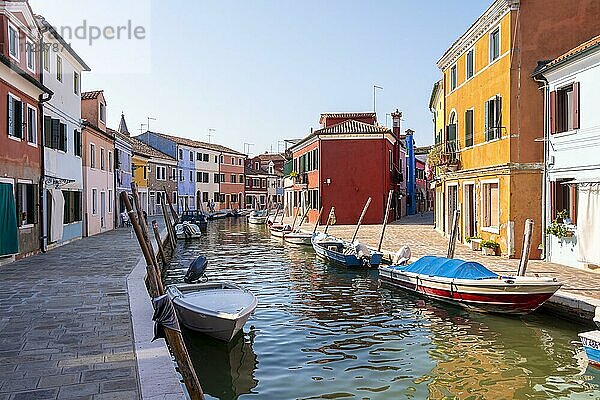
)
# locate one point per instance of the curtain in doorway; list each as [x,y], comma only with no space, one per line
[588,223]
[57,215]
[9,234]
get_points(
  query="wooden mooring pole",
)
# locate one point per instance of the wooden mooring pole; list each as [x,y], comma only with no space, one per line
[172,337]
[526,247]
[362,215]
[161,250]
[453,235]
[173,212]
[385,218]
[318,220]
[170,229]
[331,213]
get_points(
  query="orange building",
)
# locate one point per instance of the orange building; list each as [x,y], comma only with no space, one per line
[488,163]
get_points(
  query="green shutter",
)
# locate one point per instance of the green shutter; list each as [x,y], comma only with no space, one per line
[9,234]
[486,122]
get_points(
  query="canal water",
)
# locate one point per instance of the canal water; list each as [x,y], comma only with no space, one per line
[324,332]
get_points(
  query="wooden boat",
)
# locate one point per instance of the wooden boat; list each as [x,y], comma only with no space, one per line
[470,284]
[196,217]
[298,237]
[218,309]
[217,215]
[591,344]
[187,230]
[344,253]
[280,230]
[258,217]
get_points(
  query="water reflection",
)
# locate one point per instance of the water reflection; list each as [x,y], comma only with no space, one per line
[226,370]
[322,331]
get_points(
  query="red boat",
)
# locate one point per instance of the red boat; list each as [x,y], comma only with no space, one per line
[470,284]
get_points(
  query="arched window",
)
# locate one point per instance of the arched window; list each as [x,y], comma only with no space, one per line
[451,129]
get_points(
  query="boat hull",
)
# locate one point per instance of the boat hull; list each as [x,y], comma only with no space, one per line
[280,233]
[300,239]
[504,296]
[591,344]
[257,220]
[346,260]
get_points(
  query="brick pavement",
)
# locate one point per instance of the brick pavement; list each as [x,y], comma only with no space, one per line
[418,233]
[65,326]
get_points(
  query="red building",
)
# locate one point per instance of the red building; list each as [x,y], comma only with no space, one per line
[256,188]
[21,140]
[349,159]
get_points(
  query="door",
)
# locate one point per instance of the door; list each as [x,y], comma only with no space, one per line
[103,209]
[227,201]
[153,210]
[470,211]
[452,195]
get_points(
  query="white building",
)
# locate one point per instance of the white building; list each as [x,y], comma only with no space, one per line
[572,146]
[208,176]
[62,175]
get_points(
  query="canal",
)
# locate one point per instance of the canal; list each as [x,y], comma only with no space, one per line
[323,332]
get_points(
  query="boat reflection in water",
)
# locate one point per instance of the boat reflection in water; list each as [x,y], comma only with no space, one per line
[225,370]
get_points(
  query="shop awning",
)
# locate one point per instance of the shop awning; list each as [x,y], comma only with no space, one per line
[9,234]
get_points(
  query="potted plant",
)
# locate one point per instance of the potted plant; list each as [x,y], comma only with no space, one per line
[559,227]
[474,242]
[489,247]
[453,166]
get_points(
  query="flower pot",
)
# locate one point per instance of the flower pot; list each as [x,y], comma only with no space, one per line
[452,167]
[487,251]
[475,244]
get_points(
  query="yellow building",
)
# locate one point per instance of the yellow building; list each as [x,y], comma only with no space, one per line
[436,106]
[489,163]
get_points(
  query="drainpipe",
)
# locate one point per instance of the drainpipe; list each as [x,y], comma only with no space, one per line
[43,98]
[545,88]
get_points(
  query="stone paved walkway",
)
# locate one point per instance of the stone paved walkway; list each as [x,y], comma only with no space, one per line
[418,233]
[65,326]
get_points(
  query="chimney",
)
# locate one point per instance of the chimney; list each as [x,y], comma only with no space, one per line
[396,116]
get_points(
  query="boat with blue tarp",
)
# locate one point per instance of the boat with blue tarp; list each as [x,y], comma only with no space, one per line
[470,284]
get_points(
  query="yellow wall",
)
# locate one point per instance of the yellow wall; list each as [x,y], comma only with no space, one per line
[140,165]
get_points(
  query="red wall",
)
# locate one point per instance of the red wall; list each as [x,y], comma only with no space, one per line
[332,121]
[358,169]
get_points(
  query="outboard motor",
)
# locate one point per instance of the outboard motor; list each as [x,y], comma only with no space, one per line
[196,270]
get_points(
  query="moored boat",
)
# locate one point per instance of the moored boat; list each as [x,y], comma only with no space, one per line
[187,230]
[257,217]
[196,217]
[344,253]
[298,237]
[591,344]
[470,284]
[280,230]
[217,309]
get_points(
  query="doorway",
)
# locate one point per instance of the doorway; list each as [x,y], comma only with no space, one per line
[102,209]
[470,210]
[452,197]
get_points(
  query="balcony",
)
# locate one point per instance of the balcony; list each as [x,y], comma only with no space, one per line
[445,155]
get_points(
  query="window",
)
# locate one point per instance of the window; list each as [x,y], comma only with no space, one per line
[564,104]
[263,183]
[31,124]
[110,161]
[216,196]
[469,128]
[145,172]
[72,206]
[26,204]
[30,55]
[102,112]
[110,203]
[493,118]
[77,146]
[495,44]
[46,57]
[62,136]
[216,159]
[221,159]
[453,77]
[13,42]
[233,178]
[204,197]
[222,178]
[390,160]
[205,177]
[181,175]
[173,174]
[174,197]
[161,173]
[255,182]
[191,156]
[59,76]
[92,155]
[205,157]
[102,166]
[239,161]
[94,201]
[257,165]
[470,67]
[198,176]
[241,178]
[180,154]
[490,205]
[563,197]
[216,178]
[15,117]
[198,156]
[262,199]
[191,176]
[75,83]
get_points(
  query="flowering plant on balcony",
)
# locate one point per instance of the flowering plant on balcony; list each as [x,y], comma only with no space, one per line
[435,157]
[559,227]
[293,174]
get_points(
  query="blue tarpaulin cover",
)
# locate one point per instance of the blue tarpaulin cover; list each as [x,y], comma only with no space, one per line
[448,268]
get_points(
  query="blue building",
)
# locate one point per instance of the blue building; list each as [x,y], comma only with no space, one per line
[411,183]
[183,150]
[123,165]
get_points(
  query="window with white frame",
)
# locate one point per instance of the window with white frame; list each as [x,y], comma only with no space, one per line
[161,173]
[173,174]
[495,44]
[205,157]
[13,42]
[490,205]
[493,118]
[191,176]
[110,161]
[110,203]
[470,64]
[75,83]
[15,117]
[102,112]
[26,204]
[94,201]
[453,77]
[102,166]
[31,124]
[92,155]
[46,57]
[59,72]
[181,175]
[30,55]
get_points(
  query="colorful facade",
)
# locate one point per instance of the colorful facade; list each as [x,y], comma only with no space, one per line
[98,148]
[489,163]
[341,165]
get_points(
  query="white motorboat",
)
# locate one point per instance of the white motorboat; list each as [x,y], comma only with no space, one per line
[187,230]
[258,217]
[217,309]
[298,237]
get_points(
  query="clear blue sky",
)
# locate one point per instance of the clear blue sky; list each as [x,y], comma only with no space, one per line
[262,71]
